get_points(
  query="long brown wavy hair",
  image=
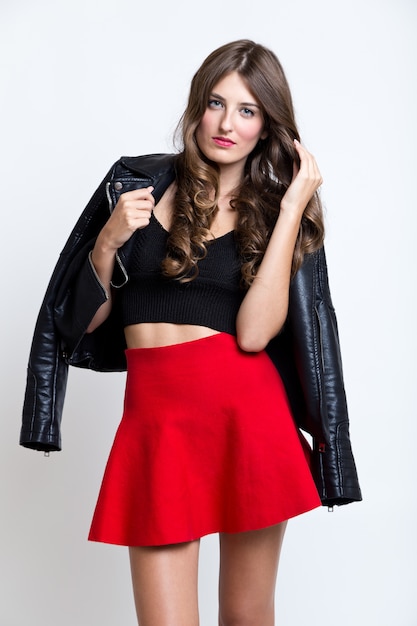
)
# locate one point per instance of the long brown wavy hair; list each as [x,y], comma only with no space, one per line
[268,170]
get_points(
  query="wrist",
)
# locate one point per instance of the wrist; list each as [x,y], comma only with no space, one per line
[104,246]
[291,210]
[290,215]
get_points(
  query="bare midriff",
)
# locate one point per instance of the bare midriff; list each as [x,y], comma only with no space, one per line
[156,335]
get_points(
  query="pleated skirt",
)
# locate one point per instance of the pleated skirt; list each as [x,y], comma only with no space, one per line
[206,444]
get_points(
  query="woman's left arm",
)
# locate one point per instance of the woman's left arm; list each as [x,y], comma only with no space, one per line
[265,306]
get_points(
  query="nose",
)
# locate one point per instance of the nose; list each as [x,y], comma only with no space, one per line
[226,123]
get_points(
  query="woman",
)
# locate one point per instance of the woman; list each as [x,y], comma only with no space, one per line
[209,240]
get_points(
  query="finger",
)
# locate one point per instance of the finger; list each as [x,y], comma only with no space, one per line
[136,202]
[306,159]
[307,162]
[139,191]
[148,198]
[295,169]
[145,191]
[304,155]
[137,194]
[300,148]
[145,204]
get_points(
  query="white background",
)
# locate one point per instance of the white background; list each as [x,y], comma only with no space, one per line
[86,81]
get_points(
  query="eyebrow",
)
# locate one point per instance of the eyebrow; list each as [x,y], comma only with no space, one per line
[246,104]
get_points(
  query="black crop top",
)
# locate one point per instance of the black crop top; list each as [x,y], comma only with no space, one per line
[212,299]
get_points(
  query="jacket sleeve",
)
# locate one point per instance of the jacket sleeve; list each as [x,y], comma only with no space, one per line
[319,364]
[80,296]
[47,368]
[307,354]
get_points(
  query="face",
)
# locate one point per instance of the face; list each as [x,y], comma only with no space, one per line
[231,125]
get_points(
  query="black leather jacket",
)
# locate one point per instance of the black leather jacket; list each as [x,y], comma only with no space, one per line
[306,352]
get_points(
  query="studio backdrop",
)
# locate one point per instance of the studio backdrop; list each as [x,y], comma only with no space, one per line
[84,82]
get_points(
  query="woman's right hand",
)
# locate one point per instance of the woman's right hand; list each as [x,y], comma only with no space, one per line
[132,212]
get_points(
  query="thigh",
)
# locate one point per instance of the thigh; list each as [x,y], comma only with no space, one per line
[165,584]
[248,571]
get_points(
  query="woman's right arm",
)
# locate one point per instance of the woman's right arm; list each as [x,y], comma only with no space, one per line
[132,212]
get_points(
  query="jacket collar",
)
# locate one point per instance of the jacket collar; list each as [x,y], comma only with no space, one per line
[150,165]
[159,169]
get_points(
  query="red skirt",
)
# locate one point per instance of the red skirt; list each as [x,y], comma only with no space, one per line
[206,444]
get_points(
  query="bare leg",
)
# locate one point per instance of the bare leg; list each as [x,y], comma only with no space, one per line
[248,571]
[165,584]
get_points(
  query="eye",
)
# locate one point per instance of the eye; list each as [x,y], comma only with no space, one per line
[247,112]
[215,104]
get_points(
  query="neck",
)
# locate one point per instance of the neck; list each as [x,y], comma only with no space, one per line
[231,176]
[230,179]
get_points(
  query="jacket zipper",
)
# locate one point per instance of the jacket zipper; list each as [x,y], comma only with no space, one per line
[119,262]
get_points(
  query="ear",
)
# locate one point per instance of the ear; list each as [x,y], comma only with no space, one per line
[264,135]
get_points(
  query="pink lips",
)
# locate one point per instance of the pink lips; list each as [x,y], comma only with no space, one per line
[223,142]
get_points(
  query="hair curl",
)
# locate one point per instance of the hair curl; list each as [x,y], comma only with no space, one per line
[267,176]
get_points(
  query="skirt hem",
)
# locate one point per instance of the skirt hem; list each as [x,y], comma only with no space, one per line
[200,535]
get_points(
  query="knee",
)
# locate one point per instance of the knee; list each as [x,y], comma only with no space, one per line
[246,616]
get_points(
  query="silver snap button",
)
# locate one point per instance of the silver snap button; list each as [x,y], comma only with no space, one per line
[118,186]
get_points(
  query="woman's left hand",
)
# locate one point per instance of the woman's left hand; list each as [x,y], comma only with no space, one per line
[305,182]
